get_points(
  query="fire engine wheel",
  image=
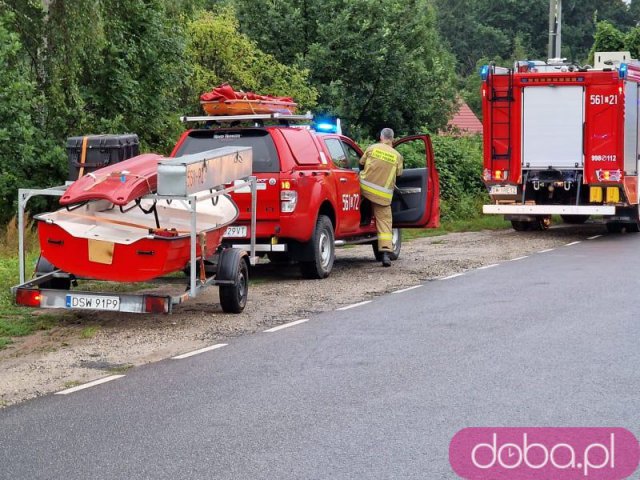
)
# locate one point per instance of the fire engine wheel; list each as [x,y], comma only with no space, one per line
[396,243]
[233,298]
[633,227]
[520,226]
[541,223]
[614,227]
[323,249]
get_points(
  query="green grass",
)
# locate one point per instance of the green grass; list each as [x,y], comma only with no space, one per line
[483,222]
[17,321]
[120,369]
[89,332]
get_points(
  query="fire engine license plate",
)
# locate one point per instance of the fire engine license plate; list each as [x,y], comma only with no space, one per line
[235,231]
[503,190]
[92,302]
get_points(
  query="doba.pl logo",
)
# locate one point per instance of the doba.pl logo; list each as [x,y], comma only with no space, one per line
[544,453]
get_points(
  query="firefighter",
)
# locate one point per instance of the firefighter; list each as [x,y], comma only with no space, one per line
[382,163]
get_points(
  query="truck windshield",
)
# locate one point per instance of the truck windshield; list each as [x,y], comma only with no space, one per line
[265,158]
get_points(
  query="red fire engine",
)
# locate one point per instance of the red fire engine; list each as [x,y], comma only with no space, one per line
[562,139]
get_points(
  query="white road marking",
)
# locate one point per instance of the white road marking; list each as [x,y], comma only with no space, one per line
[572,243]
[594,237]
[519,258]
[488,266]
[547,250]
[89,385]
[286,325]
[452,276]
[354,305]
[202,350]
[407,289]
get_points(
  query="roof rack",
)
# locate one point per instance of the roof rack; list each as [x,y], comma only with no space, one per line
[238,118]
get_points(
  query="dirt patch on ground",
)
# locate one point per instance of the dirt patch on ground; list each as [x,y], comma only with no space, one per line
[52,360]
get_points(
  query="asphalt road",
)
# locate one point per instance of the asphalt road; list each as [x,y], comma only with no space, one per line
[373,392]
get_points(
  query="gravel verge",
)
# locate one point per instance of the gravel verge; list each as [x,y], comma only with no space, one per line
[50,361]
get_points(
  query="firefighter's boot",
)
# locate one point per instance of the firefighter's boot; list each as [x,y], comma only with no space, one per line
[386,260]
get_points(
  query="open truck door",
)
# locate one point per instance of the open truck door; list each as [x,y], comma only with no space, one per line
[416,200]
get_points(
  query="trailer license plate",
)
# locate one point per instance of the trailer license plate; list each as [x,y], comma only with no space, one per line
[236,232]
[92,302]
[503,190]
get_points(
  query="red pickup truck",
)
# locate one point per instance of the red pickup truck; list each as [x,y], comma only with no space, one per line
[309,198]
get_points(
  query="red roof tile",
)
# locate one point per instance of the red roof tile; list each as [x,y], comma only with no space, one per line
[465,121]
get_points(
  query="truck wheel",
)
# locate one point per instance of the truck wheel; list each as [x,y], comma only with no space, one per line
[614,227]
[520,226]
[574,219]
[633,227]
[396,243]
[233,266]
[541,223]
[324,250]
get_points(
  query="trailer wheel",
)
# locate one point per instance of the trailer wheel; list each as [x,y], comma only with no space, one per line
[396,243]
[574,219]
[233,266]
[323,250]
[43,266]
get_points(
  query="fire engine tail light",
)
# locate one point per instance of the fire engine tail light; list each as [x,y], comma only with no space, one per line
[609,175]
[288,200]
[28,297]
[496,175]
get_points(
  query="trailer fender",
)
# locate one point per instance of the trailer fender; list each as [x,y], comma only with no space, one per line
[229,264]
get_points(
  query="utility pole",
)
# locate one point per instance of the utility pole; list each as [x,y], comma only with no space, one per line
[555,28]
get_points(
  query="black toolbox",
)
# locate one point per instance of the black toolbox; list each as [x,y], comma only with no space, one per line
[91,152]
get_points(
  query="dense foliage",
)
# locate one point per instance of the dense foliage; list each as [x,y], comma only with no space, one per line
[374,63]
[113,66]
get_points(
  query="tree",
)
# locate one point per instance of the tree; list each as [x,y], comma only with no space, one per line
[634,12]
[579,23]
[374,63]
[632,42]
[607,39]
[26,158]
[283,28]
[219,53]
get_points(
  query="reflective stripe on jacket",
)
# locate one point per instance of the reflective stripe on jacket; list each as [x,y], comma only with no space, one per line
[381,165]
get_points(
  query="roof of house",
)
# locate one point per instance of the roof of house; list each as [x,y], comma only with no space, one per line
[465,120]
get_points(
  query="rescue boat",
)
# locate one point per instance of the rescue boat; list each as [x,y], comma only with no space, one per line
[112,229]
[224,100]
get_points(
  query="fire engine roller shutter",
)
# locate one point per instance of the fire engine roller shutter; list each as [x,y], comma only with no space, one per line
[630,127]
[552,126]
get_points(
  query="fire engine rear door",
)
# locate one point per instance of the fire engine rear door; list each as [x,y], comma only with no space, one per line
[552,127]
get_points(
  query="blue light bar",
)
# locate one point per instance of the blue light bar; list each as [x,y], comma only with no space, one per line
[484,72]
[327,124]
[326,127]
[623,71]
